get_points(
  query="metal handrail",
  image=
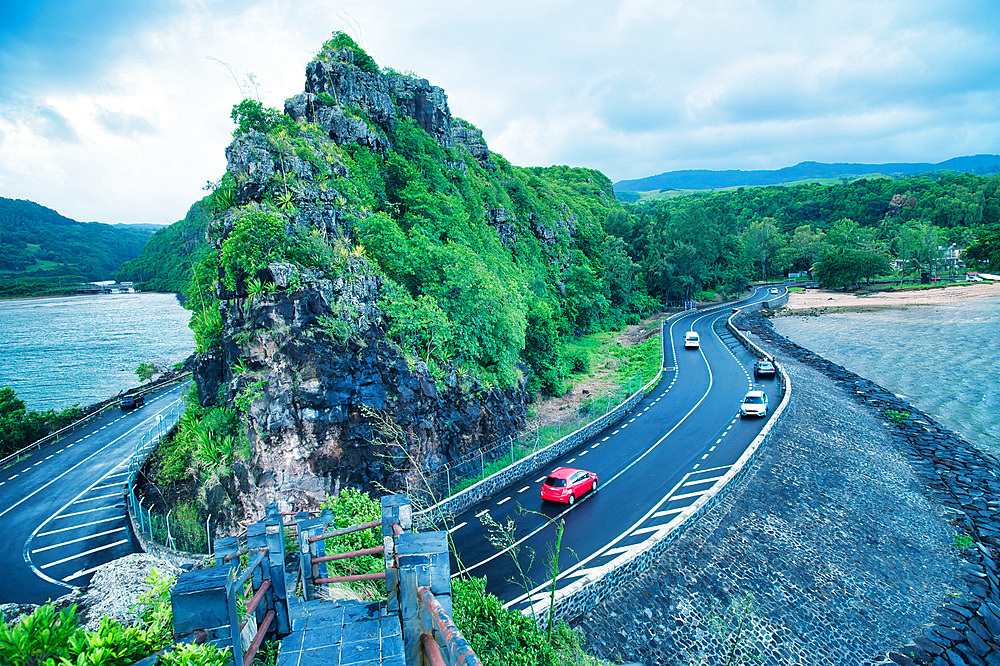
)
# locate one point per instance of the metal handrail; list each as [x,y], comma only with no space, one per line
[459,650]
[345,530]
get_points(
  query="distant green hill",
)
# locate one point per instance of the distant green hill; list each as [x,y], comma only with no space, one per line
[704,179]
[43,252]
[167,260]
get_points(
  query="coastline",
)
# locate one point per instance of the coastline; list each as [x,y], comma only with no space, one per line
[814,302]
[839,548]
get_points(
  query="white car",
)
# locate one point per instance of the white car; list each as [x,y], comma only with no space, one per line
[774,290]
[691,340]
[754,403]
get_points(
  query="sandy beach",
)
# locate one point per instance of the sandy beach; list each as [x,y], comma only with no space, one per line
[823,301]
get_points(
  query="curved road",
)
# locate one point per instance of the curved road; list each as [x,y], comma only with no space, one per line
[681,438]
[62,509]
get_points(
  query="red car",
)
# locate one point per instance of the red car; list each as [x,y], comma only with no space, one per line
[566,484]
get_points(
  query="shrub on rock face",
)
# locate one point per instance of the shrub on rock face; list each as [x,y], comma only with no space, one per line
[257,238]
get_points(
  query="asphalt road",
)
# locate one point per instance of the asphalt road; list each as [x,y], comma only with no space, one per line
[684,435]
[62,509]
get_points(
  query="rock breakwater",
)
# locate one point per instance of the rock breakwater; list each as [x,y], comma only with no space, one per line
[867,535]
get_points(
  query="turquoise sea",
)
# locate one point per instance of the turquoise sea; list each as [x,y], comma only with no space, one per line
[942,358]
[81,349]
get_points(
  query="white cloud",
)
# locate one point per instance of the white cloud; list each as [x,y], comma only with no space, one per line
[632,88]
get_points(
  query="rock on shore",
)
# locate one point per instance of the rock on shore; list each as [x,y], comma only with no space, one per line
[839,549]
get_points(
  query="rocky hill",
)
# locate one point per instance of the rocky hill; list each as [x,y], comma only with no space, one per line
[384,292]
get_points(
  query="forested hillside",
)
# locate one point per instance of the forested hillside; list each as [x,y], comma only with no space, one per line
[41,251]
[844,233]
[168,258]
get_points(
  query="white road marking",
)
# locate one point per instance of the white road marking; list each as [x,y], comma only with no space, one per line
[482,513]
[112,485]
[539,480]
[695,467]
[616,432]
[49,456]
[606,439]
[583,453]
[668,512]
[718,441]
[704,456]
[83,538]
[38,463]
[26,469]
[76,527]
[78,574]
[685,496]
[80,513]
[462,524]
[504,500]
[523,489]
[94,499]
[647,530]
[88,552]
[711,449]
[570,460]
[624,426]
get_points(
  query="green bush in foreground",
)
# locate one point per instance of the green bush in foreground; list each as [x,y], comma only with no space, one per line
[56,639]
[505,637]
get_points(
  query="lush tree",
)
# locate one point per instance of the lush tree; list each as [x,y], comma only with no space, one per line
[146,370]
[985,248]
[762,241]
[920,247]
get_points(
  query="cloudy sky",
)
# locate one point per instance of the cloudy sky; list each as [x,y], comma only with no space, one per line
[118,111]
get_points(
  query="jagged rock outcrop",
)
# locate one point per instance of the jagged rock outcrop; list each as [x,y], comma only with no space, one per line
[328,399]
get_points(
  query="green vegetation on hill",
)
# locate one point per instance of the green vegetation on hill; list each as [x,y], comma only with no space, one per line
[43,252]
[167,259]
[843,234]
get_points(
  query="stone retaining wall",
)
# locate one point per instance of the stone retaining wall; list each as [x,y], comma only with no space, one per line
[966,629]
[590,590]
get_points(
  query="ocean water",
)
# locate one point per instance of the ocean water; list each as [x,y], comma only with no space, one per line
[81,349]
[944,359]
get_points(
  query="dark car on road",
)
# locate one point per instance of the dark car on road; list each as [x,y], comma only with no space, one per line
[131,401]
[763,368]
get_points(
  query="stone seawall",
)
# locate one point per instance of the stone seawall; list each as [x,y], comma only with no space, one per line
[857,540]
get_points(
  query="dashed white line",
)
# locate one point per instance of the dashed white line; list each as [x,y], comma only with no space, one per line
[39,463]
[482,513]
[704,456]
[583,453]
[718,441]
[711,449]
[13,477]
[523,489]
[462,524]
[504,500]
[606,439]
[616,432]
[88,552]
[570,460]
[49,456]
[624,426]
[695,467]
[540,480]
[78,574]
[26,469]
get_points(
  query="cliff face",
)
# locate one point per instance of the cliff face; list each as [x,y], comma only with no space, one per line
[328,398]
